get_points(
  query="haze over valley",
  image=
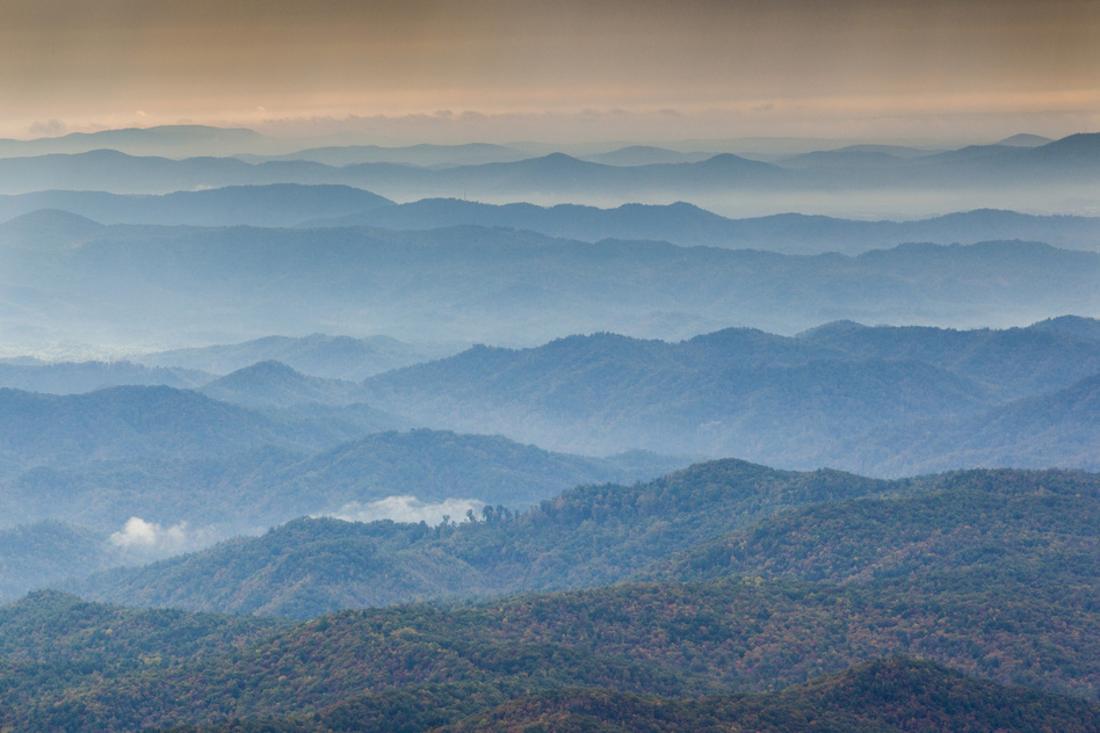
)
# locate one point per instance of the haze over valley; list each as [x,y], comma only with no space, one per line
[618,367]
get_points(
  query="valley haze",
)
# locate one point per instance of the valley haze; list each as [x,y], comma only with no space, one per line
[373,367]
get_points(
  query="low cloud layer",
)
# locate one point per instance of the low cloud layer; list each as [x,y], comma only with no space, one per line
[142,538]
[407,509]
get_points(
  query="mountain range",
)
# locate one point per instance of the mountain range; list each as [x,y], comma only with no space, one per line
[711,521]
[175,455]
[160,670]
[681,223]
[273,205]
[424,155]
[127,423]
[33,375]
[1070,161]
[172,140]
[130,284]
[318,355]
[274,384]
[879,400]
[684,224]
[326,435]
[790,577]
[883,400]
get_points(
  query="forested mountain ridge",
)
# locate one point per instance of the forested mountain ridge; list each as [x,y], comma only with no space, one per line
[1059,428]
[713,520]
[883,400]
[1011,363]
[425,666]
[175,455]
[549,367]
[49,552]
[586,536]
[889,696]
[127,423]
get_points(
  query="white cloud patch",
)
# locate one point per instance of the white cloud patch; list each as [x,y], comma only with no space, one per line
[150,539]
[407,509]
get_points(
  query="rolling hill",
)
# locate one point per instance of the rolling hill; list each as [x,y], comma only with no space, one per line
[1006,594]
[587,536]
[731,392]
[88,376]
[503,286]
[46,553]
[172,140]
[274,205]
[435,465]
[319,355]
[688,225]
[888,696]
[411,669]
[1059,428]
[172,456]
[1011,363]
[884,400]
[124,423]
[311,206]
[712,521]
[273,384]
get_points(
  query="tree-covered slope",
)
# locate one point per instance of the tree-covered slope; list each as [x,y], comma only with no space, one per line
[881,400]
[711,521]
[589,535]
[894,695]
[416,667]
[273,384]
[1011,363]
[1060,428]
[434,465]
[990,572]
[37,555]
[730,393]
[128,423]
[979,523]
[95,462]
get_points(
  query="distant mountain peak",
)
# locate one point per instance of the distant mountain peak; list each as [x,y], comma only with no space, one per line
[269,373]
[1024,140]
[1076,326]
[1079,142]
[841,326]
[562,158]
[269,367]
[53,217]
[54,228]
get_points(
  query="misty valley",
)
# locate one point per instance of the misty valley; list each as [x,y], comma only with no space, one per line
[537,368]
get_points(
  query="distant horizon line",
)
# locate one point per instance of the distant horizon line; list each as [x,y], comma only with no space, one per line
[367,139]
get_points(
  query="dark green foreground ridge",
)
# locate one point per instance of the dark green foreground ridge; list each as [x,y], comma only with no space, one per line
[726,596]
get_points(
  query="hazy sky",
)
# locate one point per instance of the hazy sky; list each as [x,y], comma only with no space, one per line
[644,69]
